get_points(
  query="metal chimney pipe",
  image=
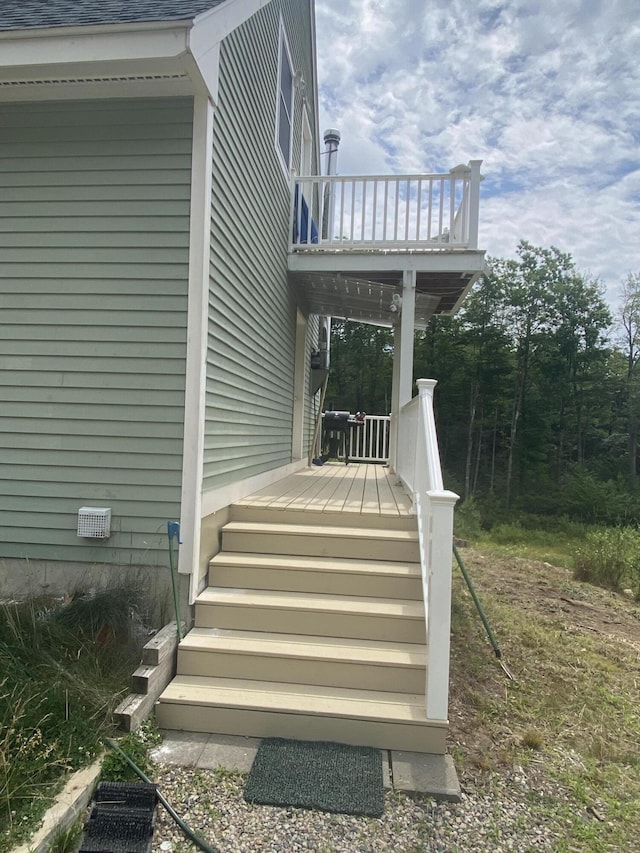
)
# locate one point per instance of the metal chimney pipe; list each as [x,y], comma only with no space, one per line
[331,141]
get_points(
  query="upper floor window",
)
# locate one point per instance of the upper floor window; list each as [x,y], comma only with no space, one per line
[284,126]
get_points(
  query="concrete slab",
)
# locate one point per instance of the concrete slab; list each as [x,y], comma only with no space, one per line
[181,748]
[417,773]
[232,752]
[386,769]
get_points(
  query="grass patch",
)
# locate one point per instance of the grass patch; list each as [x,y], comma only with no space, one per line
[573,715]
[555,546]
[65,665]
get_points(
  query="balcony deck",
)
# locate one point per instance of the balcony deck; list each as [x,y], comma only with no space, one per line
[359,489]
[353,238]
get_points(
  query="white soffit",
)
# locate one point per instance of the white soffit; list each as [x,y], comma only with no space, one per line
[360,300]
[172,57]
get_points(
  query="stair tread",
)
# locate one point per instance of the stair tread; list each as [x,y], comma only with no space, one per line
[312,601]
[296,698]
[305,646]
[320,530]
[307,563]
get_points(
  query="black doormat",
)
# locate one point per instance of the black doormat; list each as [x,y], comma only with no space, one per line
[331,777]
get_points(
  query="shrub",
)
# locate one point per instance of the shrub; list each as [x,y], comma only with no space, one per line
[63,666]
[467,520]
[609,557]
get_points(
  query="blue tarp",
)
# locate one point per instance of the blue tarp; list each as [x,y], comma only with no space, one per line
[305,232]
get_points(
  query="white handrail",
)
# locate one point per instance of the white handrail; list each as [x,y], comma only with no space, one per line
[418,465]
[429,212]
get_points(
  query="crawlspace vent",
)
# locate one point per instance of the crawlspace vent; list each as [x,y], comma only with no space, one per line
[94,522]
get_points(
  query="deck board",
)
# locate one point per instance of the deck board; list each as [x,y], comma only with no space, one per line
[358,488]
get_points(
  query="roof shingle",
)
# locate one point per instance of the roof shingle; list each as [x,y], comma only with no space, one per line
[31,14]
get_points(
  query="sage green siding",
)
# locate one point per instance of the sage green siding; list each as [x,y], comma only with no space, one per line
[252,310]
[94,230]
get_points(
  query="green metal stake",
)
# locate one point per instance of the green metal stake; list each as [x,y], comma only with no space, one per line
[485,621]
[173,529]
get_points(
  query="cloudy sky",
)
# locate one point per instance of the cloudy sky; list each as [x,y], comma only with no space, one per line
[546,93]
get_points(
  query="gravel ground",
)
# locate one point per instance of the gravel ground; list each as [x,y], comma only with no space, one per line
[502,816]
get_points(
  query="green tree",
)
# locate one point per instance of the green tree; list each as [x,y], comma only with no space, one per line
[630,339]
[361,368]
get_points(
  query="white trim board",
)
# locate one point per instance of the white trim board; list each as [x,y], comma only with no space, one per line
[197,318]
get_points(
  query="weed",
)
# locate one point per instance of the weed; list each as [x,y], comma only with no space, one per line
[609,558]
[532,739]
[65,663]
[136,747]
[67,840]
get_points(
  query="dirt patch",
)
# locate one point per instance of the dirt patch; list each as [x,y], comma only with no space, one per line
[539,615]
[544,590]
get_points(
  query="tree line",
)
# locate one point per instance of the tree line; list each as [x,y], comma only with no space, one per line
[538,396]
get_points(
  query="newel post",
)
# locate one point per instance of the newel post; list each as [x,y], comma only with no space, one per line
[439,604]
[431,461]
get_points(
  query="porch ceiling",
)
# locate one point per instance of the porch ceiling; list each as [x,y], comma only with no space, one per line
[360,286]
[358,298]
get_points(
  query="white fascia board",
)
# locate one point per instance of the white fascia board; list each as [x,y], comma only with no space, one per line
[208,31]
[461,261]
[228,16]
[80,45]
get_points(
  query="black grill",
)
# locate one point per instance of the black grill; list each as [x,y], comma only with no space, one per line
[335,429]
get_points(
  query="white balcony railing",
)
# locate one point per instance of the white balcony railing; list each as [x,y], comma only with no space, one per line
[425,212]
[369,442]
[418,465]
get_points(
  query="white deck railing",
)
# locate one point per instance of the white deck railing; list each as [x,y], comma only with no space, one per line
[426,212]
[370,442]
[418,465]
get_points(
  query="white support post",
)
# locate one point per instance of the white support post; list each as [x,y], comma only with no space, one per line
[407,326]
[395,401]
[441,504]
[402,376]
[474,202]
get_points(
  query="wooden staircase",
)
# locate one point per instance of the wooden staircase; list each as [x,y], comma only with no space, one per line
[312,627]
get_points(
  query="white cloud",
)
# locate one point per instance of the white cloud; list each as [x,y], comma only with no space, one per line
[547,94]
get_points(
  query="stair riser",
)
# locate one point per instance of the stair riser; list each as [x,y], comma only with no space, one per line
[320,546]
[333,583]
[317,517]
[243,721]
[302,671]
[397,629]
